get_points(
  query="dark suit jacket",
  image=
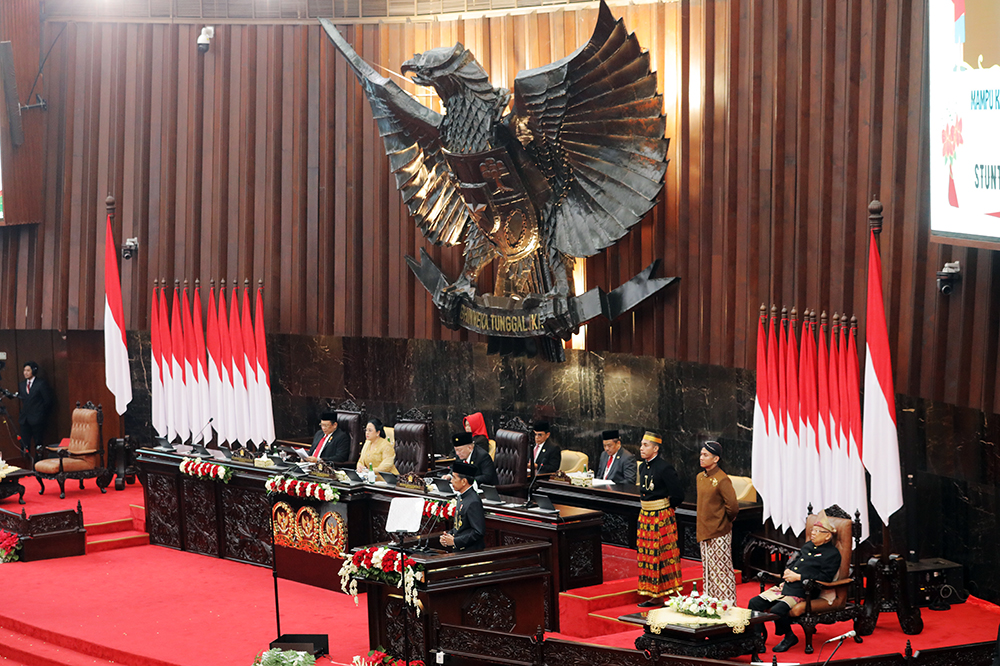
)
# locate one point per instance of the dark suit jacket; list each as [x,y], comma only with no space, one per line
[486,471]
[34,405]
[337,450]
[622,469]
[549,458]
[470,522]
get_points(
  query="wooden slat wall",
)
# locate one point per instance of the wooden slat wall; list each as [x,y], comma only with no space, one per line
[260,160]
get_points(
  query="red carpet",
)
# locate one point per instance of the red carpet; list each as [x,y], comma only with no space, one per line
[97,508]
[153,606]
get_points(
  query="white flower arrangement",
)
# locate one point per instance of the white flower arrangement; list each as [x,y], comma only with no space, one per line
[698,605]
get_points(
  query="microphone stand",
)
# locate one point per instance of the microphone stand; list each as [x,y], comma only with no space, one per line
[403,552]
[839,643]
[198,450]
[534,477]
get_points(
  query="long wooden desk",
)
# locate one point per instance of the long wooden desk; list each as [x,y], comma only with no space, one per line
[620,506]
[232,521]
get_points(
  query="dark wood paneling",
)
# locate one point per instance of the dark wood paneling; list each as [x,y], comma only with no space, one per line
[260,160]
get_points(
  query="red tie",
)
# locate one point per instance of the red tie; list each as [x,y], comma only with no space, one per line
[607,469]
[27,387]
[322,443]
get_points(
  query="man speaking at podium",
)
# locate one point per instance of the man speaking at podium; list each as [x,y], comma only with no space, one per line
[470,520]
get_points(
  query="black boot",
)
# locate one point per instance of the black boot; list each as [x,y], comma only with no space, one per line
[652,602]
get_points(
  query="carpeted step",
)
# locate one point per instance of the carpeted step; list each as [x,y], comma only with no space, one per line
[109,526]
[22,649]
[116,540]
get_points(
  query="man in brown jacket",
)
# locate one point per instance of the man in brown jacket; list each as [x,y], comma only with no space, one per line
[717,508]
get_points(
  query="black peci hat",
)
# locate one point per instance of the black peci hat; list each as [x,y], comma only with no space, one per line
[461,438]
[610,434]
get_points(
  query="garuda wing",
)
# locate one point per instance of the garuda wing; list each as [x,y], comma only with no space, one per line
[410,132]
[597,125]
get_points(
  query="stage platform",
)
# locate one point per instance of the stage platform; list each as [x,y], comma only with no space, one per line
[155,606]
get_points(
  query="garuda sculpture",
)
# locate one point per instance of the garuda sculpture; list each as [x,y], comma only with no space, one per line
[565,173]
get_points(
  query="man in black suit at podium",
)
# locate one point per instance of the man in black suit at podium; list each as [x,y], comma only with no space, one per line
[617,464]
[469,532]
[36,397]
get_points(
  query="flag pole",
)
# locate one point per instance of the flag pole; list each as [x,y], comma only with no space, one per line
[875,226]
[109,203]
[886,589]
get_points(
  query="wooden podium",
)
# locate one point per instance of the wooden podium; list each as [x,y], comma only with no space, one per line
[499,589]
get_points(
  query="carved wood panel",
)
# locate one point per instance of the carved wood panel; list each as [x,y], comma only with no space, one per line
[163,510]
[201,528]
[618,531]
[489,608]
[246,525]
[397,625]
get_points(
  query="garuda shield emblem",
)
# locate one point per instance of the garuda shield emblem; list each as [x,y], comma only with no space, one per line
[557,170]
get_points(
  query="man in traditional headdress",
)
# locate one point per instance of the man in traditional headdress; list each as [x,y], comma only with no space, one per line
[469,532]
[658,555]
[717,509]
[818,560]
[617,464]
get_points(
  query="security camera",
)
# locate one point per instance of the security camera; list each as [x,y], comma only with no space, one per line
[205,38]
[948,277]
[130,247]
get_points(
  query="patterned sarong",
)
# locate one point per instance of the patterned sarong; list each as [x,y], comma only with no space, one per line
[717,566]
[658,555]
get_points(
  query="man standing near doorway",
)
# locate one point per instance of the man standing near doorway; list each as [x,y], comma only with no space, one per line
[658,555]
[36,398]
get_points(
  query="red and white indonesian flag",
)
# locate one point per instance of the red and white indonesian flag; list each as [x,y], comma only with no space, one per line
[761,445]
[263,375]
[880,452]
[158,416]
[116,369]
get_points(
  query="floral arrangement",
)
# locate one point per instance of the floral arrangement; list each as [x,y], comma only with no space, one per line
[439,511]
[379,658]
[205,470]
[10,543]
[307,489]
[381,564]
[700,606]
[951,139]
[277,657]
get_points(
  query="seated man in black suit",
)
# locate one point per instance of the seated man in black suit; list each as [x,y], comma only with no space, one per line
[818,560]
[466,451]
[330,443]
[469,532]
[546,454]
[35,399]
[617,464]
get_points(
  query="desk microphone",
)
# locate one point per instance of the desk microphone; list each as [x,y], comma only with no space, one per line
[849,634]
[534,477]
[199,449]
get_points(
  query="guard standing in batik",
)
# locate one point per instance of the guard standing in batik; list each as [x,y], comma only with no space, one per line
[717,509]
[658,554]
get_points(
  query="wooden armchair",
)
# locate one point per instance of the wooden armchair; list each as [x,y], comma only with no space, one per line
[837,601]
[414,432]
[351,419]
[513,446]
[83,455]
